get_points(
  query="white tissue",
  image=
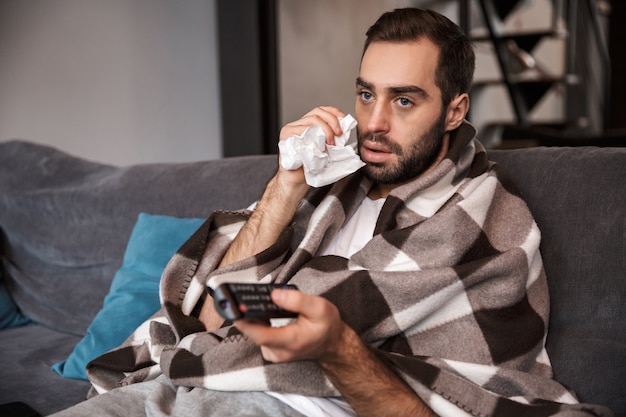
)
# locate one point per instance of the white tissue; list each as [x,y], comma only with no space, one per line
[323,164]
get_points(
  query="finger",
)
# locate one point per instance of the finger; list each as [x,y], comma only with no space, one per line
[277,355]
[310,307]
[291,300]
[264,335]
[327,117]
[328,126]
[250,326]
[337,113]
[331,116]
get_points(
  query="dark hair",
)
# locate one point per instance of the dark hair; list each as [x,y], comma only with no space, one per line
[455,68]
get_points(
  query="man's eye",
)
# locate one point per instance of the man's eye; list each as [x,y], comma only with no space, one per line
[404,102]
[365,95]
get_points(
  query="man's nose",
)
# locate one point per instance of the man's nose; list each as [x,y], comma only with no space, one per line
[378,122]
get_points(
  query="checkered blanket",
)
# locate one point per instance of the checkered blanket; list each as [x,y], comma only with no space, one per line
[450,292]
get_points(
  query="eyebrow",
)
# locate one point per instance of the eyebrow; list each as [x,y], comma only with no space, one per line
[403,89]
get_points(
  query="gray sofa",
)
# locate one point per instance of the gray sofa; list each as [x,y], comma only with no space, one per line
[65,223]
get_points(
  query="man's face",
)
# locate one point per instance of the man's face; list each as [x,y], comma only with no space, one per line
[401,120]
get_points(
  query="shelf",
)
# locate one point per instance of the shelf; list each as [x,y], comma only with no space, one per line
[539,74]
[524,40]
[525,80]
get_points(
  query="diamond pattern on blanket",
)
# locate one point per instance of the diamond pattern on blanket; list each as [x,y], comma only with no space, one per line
[431,199]
[478,204]
[187,364]
[360,293]
[511,331]
[452,340]
[402,262]
[480,252]
[431,245]
[479,374]
[447,305]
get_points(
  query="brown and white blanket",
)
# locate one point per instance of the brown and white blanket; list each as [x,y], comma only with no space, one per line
[450,292]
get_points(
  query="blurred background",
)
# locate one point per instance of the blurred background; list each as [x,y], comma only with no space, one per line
[142,81]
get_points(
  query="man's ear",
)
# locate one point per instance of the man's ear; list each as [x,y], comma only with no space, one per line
[456,111]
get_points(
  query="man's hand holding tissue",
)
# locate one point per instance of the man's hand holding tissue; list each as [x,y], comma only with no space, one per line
[284,191]
[325,118]
[325,159]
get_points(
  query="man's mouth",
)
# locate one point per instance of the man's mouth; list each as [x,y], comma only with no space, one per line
[374,152]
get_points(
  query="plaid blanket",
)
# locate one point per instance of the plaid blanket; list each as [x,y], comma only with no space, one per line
[450,292]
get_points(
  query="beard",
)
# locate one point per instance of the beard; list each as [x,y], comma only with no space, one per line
[411,162]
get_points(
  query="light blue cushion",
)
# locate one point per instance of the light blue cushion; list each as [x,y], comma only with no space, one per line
[10,315]
[134,293]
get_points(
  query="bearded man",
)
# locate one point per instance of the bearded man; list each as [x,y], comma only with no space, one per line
[422,290]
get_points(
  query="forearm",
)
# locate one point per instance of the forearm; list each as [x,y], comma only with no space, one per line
[273,213]
[369,385]
[284,192]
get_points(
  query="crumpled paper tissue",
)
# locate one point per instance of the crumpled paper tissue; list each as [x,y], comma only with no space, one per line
[323,164]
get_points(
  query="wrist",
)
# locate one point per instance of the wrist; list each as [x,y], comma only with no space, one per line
[341,348]
[276,207]
[288,188]
[291,181]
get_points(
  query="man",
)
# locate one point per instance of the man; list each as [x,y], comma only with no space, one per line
[422,288]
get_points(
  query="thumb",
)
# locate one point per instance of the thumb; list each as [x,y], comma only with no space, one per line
[291,300]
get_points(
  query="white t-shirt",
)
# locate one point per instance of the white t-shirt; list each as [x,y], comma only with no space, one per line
[350,239]
[358,230]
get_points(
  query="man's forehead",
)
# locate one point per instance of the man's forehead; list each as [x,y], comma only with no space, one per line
[398,64]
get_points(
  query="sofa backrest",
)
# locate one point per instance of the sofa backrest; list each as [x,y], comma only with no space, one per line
[65,221]
[578,198]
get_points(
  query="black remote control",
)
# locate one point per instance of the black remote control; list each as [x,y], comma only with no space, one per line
[249,301]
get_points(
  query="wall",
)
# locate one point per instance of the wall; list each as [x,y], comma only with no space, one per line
[116,81]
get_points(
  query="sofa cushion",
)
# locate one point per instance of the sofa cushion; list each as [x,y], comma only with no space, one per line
[134,293]
[27,354]
[65,221]
[578,197]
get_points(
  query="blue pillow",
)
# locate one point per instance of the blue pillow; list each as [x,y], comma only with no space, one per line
[134,293]
[10,315]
